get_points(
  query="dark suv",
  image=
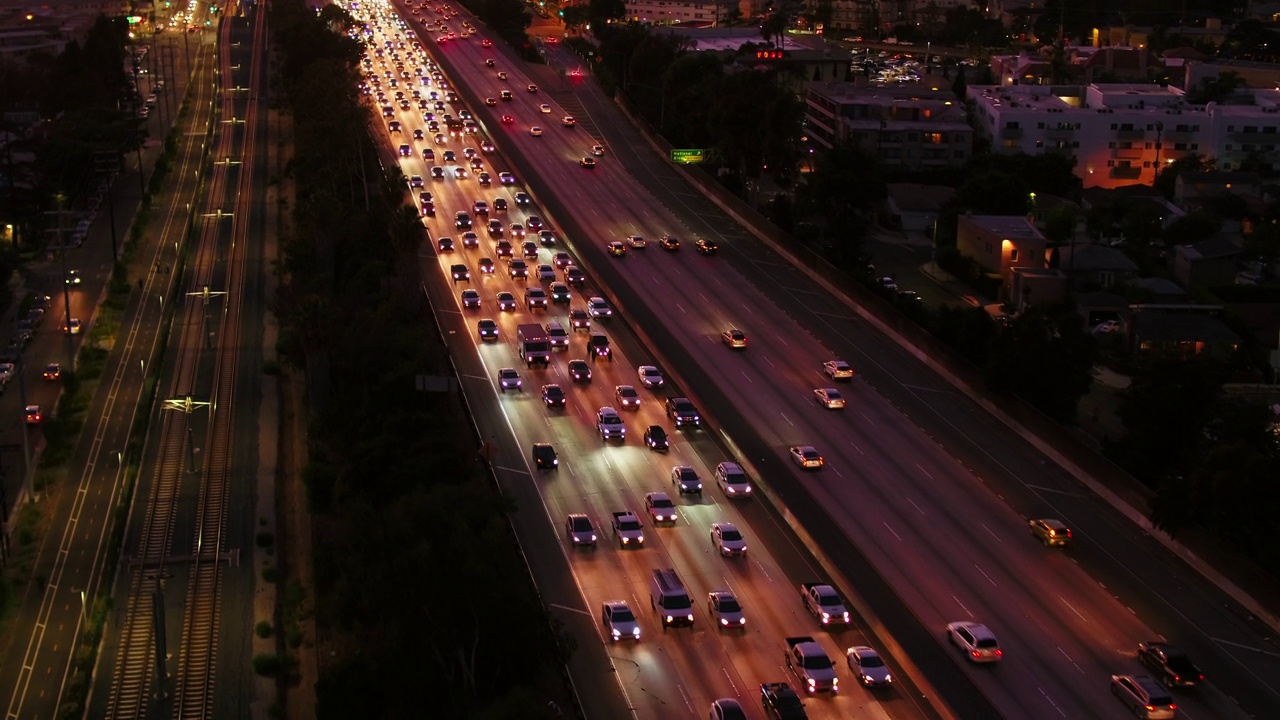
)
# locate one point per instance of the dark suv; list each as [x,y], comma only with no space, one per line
[682,411]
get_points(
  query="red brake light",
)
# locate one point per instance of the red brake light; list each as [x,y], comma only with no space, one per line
[999,652]
[975,653]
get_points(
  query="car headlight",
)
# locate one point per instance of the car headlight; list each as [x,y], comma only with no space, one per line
[723,621]
[636,632]
[689,617]
[825,617]
[616,634]
[625,540]
[846,617]
[669,618]
[593,538]
[812,684]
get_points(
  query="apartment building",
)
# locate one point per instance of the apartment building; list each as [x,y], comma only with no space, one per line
[695,13]
[1120,133]
[910,126]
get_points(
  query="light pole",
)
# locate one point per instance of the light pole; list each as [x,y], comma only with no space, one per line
[186,405]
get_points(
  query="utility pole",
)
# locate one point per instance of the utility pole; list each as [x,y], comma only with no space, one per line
[186,405]
[66,288]
[107,163]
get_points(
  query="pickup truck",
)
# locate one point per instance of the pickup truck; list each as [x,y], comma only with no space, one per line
[811,665]
[781,702]
[825,604]
[628,530]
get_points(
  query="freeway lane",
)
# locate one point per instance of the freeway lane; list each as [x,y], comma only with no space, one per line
[1107,658]
[681,667]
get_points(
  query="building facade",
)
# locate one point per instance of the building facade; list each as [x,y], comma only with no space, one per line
[1121,133]
[911,127]
[1000,243]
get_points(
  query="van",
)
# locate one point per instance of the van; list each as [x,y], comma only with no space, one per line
[670,600]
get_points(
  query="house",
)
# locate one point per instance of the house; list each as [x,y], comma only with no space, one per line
[1214,183]
[1000,243]
[1159,290]
[1181,330]
[1090,265]
[1036,286]
[1206,263]
[914,207]
[1099,306]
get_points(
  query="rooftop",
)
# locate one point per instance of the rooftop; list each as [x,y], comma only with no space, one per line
[1010,227]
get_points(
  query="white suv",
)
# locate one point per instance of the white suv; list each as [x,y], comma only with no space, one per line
[732,480]
[610,425]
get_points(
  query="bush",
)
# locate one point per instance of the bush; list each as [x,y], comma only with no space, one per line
[262,629]
[265,539]
[270,574]
[268,665]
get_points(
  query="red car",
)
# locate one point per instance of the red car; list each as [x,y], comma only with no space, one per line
[507,119]
[486,43]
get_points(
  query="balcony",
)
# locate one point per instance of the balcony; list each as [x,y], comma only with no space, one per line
[1135,134]
[1059,133]
[1126,173]
[1127,153]
[1010,133]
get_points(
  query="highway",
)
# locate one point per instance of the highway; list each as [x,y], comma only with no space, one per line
[933,494]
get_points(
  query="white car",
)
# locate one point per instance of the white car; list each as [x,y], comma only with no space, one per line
[509,379]
[868,666]
[976,640]
[728,539]
[837,370]
[829,398]
[580,529]
[732,480]
[619,622]
[598,308]
[806,456]
[545,109]
[650,377]
[660,507]
[724,608]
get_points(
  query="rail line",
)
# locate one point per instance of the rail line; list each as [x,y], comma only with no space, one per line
[133,691]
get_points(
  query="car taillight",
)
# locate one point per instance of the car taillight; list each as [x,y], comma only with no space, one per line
[999,653]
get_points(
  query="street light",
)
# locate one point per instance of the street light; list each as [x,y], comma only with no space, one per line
[187,405]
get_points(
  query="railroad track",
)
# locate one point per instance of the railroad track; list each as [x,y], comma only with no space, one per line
[134,692]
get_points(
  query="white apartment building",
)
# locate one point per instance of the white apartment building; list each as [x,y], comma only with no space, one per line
[1120,133]
[680,12]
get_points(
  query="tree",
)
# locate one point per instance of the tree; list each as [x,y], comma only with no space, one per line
[1167,176]
[604,11]
[1046,358]
[1216,89]
[1060,225]
[1191,228]
[993,192]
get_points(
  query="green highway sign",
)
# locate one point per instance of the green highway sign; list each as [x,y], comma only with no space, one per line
[688,156]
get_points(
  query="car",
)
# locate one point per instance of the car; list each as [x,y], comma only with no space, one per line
[517,268]
[560,293]
[535,131]
[544,456]
[7,370]
[650,377]
[610,425]
[669,242]
[627,397]
[445,244]
[547,237]
[32,415]
[509,379]
[580,529]
[471,299]
[867,665]
[544,109]
[470,239]
[440,139]
[579,371]
[529,248]
[52,371]
[568,121]
[508,119]
[535,298]
[486,266]
[488,62]
[405,151]
[504,249]
[562,260]
[450,156]
[597,150]
[683,412]
[553,396]
[619,622]
[418,134]
[546,273]
[487,147]
[909,296]
[706,247]
[491,102]
[484,179]
[1053,533]
[459,172]
[580,320]
[598,308]
[573,275]
[616,249]
[496,229]
[437,173]
[427,204]
[502,75]
[505,95]
[837,370]
[656,438]
[394,126]
[734,338]
[724,608]
[732,480]
[428,154]
[686,481]
[1171,666]
[636,241]
[532,88]
[1143,696]
[533,223]
[829,398]
[728,539]
[73,327]
[486,43]
[506,301]
[460,273]
[976,640]
[506,178]
[499,204]
[806,457]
